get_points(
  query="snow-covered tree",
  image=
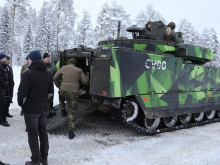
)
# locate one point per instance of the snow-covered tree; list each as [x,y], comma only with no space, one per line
[214,39]
[5,32]
[28,41]
[190,35]
[84,30]
[19,14]
[44,33]
[32,20]
[65,23]
[107,21]
[20,57]
[150,14]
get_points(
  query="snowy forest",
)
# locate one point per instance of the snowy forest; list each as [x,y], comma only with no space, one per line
[56,27]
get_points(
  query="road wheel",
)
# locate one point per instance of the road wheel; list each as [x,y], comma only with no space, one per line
[170,121]
[185,119]
[152,124]
[210,114]
[198,116]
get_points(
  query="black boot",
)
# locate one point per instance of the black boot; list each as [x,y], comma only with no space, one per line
[1,163]
[5,124]
[51,113]
[43,160]
[71,134]
[63,112]
[9,115]
[31,163]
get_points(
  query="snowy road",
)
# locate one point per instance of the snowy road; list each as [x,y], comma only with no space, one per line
[195,146]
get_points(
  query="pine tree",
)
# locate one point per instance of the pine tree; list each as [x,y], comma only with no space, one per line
[43,36]
[190,35]
[84,30]
[5,32]
[28,41]
[108,21]
[20,57]
[65,23]
[150,14]
[215,42]
[19,14]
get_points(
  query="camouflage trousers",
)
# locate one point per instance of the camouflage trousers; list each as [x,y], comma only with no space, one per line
[71,98]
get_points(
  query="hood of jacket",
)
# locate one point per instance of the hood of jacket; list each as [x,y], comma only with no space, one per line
[38,65]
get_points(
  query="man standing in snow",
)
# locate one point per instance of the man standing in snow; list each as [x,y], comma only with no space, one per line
[35,87]
[4,90]
[11,83]
[52,69]
[71,77]
[23,69]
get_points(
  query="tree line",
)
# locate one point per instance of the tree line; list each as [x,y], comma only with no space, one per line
[56,27]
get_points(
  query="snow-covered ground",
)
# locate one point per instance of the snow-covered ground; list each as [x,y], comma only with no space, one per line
[195,146]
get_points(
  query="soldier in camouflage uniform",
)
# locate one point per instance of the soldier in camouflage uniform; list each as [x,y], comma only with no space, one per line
[68,79]
[25,66]
[170,33]
[146,33]
[52,69]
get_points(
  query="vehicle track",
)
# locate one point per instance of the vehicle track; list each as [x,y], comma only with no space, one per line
[95,123]
[106,124]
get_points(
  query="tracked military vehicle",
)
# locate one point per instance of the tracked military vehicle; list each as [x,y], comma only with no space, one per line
[157,85]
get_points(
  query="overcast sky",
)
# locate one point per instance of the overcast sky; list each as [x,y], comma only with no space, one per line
[201,13]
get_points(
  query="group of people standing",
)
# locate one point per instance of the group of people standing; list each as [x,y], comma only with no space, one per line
[35,97]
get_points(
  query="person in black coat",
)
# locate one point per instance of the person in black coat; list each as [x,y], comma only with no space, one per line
[11,83]
[4,90]
[35,87]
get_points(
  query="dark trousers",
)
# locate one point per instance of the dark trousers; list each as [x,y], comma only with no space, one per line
[7,110]
[3,112]
[36,126]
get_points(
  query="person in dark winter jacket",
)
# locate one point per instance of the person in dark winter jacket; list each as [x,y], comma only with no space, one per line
[52,69]
[11,83]
[4,90]
[35,87]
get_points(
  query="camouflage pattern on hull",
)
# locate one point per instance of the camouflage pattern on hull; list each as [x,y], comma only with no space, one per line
[162,83]
[184,51]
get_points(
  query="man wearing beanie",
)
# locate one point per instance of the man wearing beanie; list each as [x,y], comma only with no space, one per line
[4,90]
[52,69]
[69,89]
[35,87]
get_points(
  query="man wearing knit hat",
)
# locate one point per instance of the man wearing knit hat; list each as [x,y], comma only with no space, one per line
[4,90]
[35,87]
